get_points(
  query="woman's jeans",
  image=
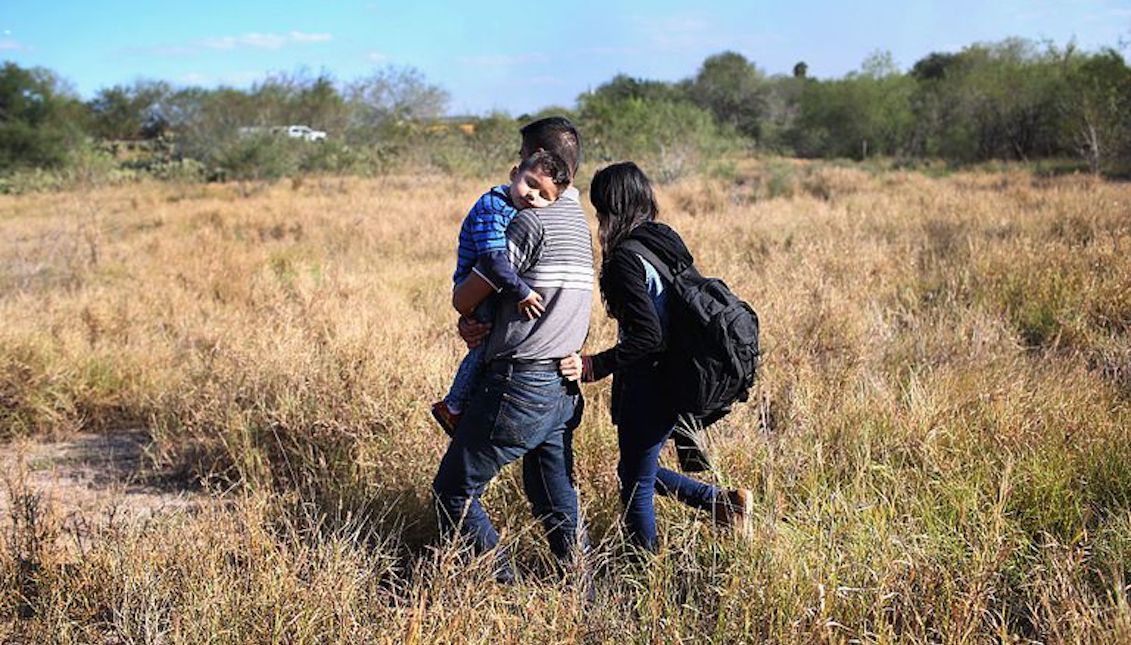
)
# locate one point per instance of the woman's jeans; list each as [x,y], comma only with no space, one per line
[513,414]
[643,426]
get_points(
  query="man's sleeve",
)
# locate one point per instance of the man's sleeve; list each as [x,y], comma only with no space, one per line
[524,241]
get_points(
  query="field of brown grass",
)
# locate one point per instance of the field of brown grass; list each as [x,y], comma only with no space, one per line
[940,443]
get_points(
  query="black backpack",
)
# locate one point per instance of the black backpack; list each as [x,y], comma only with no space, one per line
[713,353]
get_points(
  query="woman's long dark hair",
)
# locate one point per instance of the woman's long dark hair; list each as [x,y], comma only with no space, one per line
[623,197]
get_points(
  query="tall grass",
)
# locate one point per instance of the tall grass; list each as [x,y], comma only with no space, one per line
[939,445]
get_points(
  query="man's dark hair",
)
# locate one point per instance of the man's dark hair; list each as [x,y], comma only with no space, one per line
[623,197]
[547,163]
[554,134]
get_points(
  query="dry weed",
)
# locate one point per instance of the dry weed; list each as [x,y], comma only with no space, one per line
[940,446]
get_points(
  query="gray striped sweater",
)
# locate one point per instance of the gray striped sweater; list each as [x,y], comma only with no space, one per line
[552,251]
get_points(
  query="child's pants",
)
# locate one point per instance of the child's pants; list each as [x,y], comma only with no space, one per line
[470,366]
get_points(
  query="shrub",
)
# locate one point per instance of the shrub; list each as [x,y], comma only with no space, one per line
[669,138]
[258,157]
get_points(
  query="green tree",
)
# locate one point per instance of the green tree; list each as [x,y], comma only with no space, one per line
[301,99]
[865,113]
[935,66]
[782,109]
[319,104]
[732,89]
[1096,102]
[394,96]
[936,130]
[625,87]
[208,122]
[1005,99]
[667,137]
[128,112]
[39,118]
[989,101]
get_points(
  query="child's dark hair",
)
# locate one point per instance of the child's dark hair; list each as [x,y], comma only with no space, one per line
[623,197]
[554,134]
[548,164]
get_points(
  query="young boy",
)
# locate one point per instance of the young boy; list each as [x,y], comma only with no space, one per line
[537,182]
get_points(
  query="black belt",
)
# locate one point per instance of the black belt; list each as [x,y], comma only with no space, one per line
[504,366]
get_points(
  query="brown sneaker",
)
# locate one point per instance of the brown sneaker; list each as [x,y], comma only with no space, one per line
[447,419]
[734,509]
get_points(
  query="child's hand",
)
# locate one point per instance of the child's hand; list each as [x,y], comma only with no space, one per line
[532,306]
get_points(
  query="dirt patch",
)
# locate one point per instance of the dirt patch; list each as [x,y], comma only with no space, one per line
[92,473]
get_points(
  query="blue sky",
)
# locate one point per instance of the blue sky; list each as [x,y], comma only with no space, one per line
[509,55]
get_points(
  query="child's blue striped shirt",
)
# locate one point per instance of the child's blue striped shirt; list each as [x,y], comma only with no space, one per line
[484,230]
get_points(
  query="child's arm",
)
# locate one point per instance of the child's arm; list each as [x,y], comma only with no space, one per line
[503,250]
[495,267]
[475,288]
[488,220]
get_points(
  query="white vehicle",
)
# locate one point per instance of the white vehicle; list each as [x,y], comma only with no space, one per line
[306,133]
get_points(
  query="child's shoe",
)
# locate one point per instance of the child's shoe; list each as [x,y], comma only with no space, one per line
[447,419]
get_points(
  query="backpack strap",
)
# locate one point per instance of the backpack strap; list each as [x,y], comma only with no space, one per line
[638,247]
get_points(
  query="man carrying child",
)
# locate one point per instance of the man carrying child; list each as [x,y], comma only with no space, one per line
[536,182]
[520,405]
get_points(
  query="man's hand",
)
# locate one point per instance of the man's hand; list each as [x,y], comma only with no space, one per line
[570,367]
[472,331]
[532,306]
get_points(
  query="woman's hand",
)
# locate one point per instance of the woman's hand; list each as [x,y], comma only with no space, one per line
[571,367]
[472,331]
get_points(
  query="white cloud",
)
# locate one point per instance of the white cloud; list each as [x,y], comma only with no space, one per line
[681,24]
[263,41]
[679,32]
[233,78]
[252,40]
[194,78]
[11,45]
[376,57]
[267,41]
[610,51]
[504,60]
[303,37]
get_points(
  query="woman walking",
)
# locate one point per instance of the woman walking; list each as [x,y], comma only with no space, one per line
[637,298]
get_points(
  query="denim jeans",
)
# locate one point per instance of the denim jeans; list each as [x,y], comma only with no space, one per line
[511,414]
[472,364]
[643,426]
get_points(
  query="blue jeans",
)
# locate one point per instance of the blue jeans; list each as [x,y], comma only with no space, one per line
[471,365]
[643,426]
[513,414]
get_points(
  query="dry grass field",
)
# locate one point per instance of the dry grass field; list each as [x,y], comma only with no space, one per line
[940,444]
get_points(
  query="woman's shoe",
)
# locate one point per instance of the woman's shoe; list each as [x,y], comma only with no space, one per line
[734,509]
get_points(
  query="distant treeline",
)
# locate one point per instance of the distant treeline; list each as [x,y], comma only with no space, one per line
[1013,100]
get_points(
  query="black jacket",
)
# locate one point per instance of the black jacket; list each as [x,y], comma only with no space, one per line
[624,289]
